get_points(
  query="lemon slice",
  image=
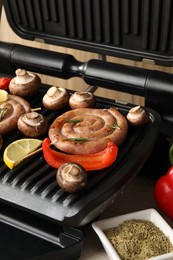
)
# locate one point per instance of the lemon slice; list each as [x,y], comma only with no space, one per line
[17,151]
[3,95]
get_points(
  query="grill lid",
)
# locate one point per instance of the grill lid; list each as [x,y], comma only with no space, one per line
[129,29]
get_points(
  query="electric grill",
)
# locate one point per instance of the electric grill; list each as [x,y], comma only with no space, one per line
[33,208]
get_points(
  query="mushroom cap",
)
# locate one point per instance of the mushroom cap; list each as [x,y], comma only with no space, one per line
[71,177]
[137,116]
[25,84]
[32,124]
[56,98]
[82,99]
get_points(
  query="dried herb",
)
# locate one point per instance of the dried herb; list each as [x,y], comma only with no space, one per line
[114,126]
[2,111]
[138,240]
[78,140]
[74,121]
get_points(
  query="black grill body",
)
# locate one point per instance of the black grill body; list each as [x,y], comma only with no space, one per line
[37,211]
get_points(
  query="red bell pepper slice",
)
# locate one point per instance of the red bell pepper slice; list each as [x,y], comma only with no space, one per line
[4,83]
[163,193]
[90,162]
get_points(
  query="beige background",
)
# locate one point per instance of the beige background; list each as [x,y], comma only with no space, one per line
[7,35]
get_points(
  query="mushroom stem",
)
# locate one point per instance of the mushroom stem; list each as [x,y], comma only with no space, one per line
[81,99]
[33,119]
[138,116]
[56,98]
[71,177]
[22,76]
[32,124]
[25,84]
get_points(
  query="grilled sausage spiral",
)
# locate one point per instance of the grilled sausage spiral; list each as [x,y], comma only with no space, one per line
[88,130]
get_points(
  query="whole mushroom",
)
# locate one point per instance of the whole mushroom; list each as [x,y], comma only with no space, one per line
[137,116]
[32,124]
[56,98]
[81,99]
[25,84]
[71,177]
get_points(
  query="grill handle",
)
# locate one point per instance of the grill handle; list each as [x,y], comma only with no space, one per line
[94,72]
[155,86]
[159,96]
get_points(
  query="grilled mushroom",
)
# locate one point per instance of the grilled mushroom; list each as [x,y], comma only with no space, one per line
[25,84]
[32,124]
[138,116]
[71,177]
[82,100]
[56,98]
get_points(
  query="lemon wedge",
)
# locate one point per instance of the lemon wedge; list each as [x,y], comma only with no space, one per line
[3,95]
[18,150]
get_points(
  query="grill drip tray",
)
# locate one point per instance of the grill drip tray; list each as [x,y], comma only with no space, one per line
[31,186]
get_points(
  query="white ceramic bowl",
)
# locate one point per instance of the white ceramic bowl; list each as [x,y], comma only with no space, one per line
[148,214]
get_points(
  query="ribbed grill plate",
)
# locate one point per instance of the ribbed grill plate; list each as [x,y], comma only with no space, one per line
[32,184]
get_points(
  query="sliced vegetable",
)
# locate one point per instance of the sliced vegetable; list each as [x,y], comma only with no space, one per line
[90,162]
[3,95]
[19,150]
[163,193]
[4,83]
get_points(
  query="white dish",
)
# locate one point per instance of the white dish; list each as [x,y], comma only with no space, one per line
[148,214]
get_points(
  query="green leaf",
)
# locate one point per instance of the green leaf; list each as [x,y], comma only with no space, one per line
[80,140]
[74,121]
[114,126]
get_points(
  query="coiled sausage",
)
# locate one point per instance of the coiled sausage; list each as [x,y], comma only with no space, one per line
[88,130]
